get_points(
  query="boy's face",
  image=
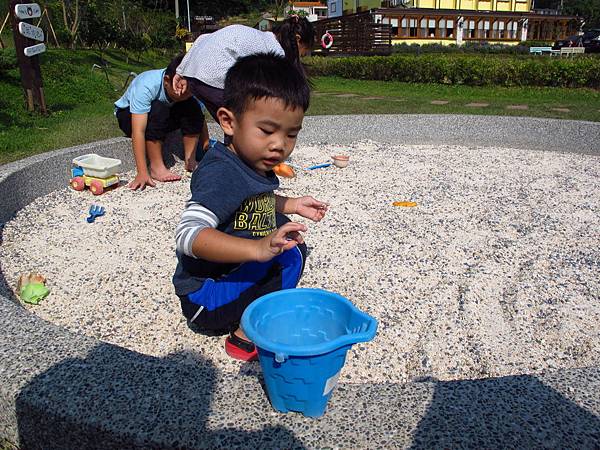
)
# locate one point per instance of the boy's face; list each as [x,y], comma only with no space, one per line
[265,134]
[168,84]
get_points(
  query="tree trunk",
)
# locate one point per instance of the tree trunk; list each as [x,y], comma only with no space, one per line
[71,20]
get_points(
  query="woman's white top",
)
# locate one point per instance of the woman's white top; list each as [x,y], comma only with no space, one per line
[212,55]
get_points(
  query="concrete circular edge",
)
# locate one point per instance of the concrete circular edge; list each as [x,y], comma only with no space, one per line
[61,390]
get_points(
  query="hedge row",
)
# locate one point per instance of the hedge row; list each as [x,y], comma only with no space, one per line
[522,48]
[582,71]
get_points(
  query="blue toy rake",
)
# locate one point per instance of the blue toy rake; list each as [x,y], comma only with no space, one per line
[95,211]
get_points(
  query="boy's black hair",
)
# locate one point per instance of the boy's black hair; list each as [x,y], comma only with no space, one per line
[265,75]
[172,67]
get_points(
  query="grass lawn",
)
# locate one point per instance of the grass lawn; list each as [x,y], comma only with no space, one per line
[410,98]
[80,100]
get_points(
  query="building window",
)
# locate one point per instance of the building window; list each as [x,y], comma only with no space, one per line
[332,7]
[403,28]
[413,28]
[470,28]
[431,28]
[450,28]
[483,29]
[511,28]
[498,30]
[446,28]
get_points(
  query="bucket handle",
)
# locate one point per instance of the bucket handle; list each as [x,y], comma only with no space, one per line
[280,357]
[367,329]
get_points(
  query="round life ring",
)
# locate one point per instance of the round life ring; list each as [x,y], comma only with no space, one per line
[327,40]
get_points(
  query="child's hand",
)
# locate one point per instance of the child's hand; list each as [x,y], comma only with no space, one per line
[180,84]
[311,208]
[141,181]
[280,240]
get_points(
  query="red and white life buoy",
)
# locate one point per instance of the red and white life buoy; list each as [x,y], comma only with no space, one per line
[327,40]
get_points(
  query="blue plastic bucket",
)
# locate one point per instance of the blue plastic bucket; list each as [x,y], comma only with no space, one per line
[302,336]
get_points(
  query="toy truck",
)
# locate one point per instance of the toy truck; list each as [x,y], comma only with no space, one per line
[94,171]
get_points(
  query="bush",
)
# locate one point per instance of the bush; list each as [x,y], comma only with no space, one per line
[8,60]
[496,70]
[469,47]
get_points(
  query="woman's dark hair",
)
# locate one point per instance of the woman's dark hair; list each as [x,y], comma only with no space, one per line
[286,33]
[264,76]
[173,65]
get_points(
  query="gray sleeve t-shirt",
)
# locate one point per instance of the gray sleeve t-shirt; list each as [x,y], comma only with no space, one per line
[212,55]
[242,200]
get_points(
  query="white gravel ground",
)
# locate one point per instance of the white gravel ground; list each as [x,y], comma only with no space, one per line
[495,272]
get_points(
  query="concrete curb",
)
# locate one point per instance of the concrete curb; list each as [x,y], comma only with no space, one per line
[61,390]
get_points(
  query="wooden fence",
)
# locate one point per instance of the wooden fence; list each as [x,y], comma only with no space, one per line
[355,34]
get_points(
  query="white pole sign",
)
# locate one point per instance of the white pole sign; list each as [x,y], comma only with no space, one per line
[31,31]
[27,10]
[34,50]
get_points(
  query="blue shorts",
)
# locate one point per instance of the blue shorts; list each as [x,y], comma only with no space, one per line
[219,304]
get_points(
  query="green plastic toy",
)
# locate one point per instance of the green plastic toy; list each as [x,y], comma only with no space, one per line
[33,293]
[32,288]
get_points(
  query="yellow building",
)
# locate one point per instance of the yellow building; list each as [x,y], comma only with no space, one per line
[446,22]
[476,5]
[460,21]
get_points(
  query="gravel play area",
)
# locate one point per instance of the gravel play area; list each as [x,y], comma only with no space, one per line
[495,271]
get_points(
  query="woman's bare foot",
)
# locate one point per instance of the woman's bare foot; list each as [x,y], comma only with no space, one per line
[164,175]
[191,164]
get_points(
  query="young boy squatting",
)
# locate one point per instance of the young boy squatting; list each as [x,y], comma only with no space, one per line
[234,243]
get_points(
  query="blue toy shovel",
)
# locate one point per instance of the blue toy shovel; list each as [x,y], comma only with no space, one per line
[318,166]
[95,211]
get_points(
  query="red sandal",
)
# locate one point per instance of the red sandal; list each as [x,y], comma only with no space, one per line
[239,348]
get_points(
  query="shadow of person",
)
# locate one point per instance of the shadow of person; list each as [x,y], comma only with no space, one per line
[116,398]
[173,147]
[509,412]
[5,289]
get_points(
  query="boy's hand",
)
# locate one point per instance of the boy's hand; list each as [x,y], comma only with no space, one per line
[280,240]
[141,181]
[311,208]
[180,84]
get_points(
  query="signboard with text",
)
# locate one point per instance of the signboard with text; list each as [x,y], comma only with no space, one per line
[31,31]
[27,45]
[27,11]
[34,50]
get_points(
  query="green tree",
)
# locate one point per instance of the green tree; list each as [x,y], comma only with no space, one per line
[99,29]
[72,11]
[278,8]
[588,9]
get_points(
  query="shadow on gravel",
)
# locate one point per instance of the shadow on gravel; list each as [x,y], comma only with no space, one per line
[73,405]
[5,289]
[509,412]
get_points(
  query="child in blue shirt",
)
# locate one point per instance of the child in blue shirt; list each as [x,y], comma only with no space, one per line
[234,243]
[149,109]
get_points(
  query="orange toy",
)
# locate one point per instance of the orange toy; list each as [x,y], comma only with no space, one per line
[405,204]
[283,170]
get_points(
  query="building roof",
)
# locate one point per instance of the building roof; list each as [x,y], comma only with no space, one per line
[307,4]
